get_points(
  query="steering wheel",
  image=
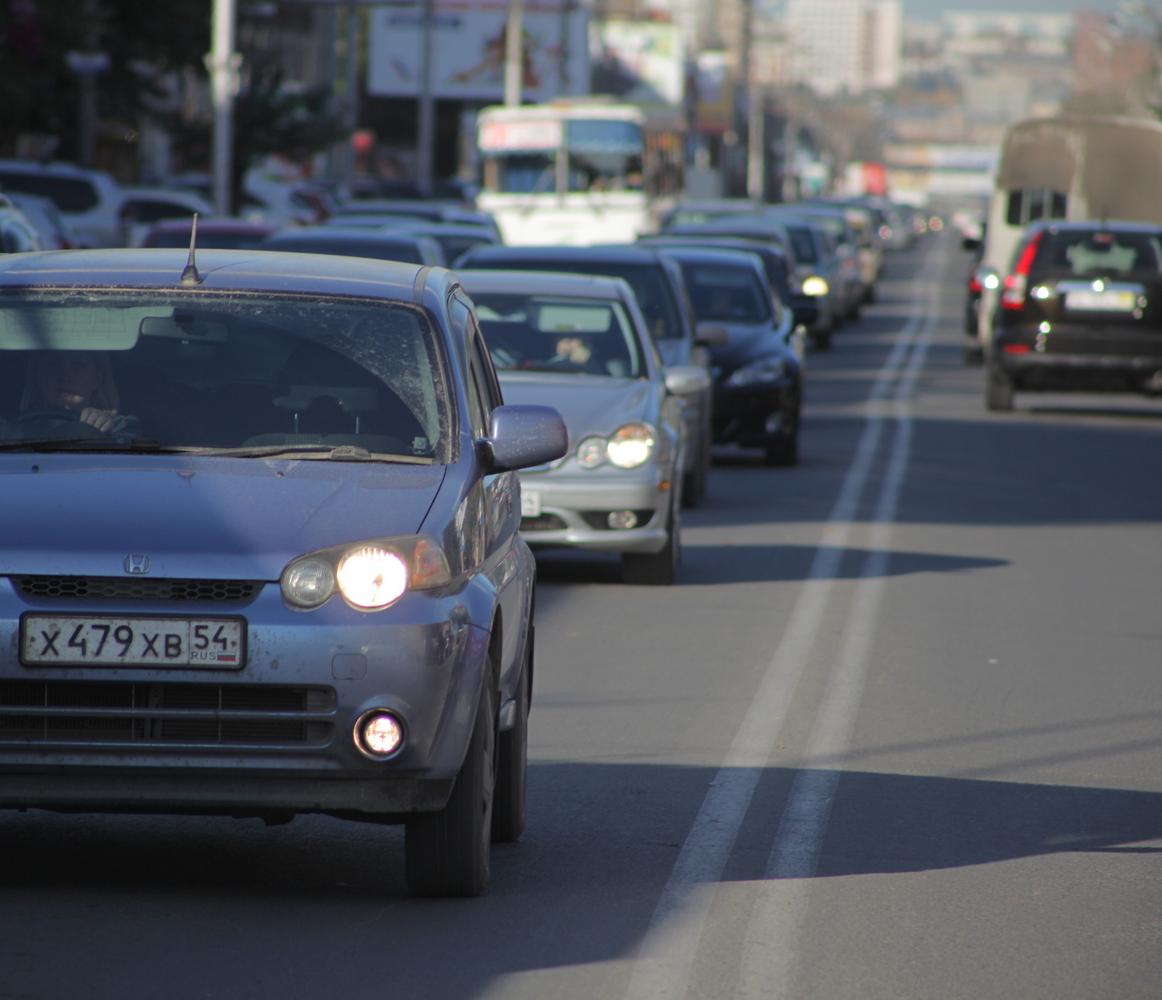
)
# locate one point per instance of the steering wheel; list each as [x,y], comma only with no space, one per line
[57,417]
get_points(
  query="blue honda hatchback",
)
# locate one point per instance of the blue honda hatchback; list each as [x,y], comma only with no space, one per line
[260,553]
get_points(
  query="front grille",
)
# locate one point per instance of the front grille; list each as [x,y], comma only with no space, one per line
[217,716]
[117,588]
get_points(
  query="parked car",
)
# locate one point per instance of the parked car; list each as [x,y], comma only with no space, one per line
[17,233]
[580,343]
[261,552]
[1081,308]
[88,199]
[216,233]
[140,207]
[757,378]
[661,294]
[356,242]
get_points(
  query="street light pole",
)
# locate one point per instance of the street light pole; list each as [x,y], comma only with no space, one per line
[514,53]
[223,65]
[426,128]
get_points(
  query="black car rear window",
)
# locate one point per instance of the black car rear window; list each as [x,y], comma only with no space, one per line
[1099,253]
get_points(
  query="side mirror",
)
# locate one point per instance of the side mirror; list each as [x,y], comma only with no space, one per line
[520,437]
[710,335]
[971,243]
[686,380]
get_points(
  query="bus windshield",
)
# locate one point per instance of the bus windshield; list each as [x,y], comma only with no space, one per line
[604,155]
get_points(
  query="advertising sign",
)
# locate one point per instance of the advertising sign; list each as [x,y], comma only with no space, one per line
[468,49]
[639,61]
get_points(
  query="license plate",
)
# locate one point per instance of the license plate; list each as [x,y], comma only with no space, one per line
[100,641]
[530,503]
[1105,301]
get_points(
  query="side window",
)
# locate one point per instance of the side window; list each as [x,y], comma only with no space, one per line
[1030,204]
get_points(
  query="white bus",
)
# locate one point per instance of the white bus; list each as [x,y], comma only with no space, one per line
[1072,167]
[579,171]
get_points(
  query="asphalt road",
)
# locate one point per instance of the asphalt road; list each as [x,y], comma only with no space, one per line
[895,734]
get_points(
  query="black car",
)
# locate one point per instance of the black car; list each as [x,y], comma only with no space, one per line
[661,295]
[1080,309]
[357,242]
[757,376]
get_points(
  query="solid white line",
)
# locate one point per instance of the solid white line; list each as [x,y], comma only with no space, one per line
[668,950]
[773,932]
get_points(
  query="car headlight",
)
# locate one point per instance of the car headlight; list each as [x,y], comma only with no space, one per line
[758,372]
[591,452]
[631,445]
[368,575]
[815,286]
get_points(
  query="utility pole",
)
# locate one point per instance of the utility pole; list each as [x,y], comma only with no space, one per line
[514,56]
[223,65]
[755,112]
[426,128]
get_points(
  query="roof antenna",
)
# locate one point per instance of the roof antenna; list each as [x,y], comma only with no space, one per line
[190,274]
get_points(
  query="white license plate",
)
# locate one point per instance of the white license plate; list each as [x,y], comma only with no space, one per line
[530,503]
[1107,301]
[99,641]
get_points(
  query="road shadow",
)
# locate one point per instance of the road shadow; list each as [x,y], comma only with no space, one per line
[730,563]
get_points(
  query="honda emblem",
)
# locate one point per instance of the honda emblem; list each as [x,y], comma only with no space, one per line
[137,564]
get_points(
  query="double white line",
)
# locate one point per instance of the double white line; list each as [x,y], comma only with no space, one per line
[667,955]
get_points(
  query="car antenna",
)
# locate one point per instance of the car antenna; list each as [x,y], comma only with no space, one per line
[190,274]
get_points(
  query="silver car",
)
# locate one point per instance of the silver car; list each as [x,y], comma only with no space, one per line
[261,553]
[581,344]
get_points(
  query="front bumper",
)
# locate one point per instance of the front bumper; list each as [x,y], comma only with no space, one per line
[571,509]
[753,416]
[273,736]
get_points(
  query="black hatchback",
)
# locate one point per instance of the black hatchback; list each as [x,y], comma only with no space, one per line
[1081,309]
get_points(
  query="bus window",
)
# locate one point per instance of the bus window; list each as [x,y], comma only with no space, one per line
[519,173]
[603,155]
[1029,204]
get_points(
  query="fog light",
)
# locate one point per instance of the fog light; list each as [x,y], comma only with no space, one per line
[378,734]
[622,519]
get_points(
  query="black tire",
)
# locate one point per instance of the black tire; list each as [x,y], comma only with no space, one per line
[998,392]
[656,569]
[508,806]
[448,853]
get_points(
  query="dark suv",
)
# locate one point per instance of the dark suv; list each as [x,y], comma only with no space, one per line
[1080,309]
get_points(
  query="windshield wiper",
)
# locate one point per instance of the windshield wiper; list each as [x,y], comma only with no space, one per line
[148,445]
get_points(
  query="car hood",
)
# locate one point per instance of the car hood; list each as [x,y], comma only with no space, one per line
[223,518]
[745,342]
[588,404]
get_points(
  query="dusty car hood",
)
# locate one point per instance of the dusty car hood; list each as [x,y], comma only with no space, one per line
[225,518]
[588,404]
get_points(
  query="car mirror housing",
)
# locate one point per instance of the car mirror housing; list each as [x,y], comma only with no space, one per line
[523,436]
[686,380]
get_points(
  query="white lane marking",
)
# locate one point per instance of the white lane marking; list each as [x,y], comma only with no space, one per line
[776,924]
[667,953]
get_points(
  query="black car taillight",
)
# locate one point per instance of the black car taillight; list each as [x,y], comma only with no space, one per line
[1013,297]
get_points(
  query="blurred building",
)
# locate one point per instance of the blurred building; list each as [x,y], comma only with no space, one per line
[845,46]
[1115,56]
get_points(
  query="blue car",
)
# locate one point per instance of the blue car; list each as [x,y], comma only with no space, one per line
[260,553]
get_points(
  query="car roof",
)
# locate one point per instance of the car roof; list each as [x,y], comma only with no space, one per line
[628,253]
[544,283]
[225,270]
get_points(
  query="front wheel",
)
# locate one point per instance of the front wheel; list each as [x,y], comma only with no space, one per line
[448,853]
[656,569]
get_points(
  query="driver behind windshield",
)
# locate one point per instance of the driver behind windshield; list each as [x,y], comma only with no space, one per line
[73,385]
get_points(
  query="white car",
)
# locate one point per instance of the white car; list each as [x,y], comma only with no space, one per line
[88,199]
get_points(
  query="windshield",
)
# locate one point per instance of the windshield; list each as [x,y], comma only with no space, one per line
[726,293]
[158,370]
[604,155]
[551,333]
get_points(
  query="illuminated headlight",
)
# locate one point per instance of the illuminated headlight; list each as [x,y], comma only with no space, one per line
[369,576]
[815,286]
[631,445]
[591,452]
[757,372]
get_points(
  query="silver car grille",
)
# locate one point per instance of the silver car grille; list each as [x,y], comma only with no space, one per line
[169,715]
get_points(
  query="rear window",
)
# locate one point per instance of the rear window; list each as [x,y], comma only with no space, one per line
[1099,253]
[1027,205]
[69,194]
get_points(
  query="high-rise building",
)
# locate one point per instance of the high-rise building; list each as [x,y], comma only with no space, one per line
[845,46]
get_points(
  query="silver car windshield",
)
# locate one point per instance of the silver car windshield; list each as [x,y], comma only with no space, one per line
[560,334]
[252,373]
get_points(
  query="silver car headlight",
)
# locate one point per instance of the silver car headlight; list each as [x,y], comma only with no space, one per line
[369,575]
[631,445]
[758,372]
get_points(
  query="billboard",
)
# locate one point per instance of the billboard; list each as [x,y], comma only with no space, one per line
[468,49]
[639,61]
